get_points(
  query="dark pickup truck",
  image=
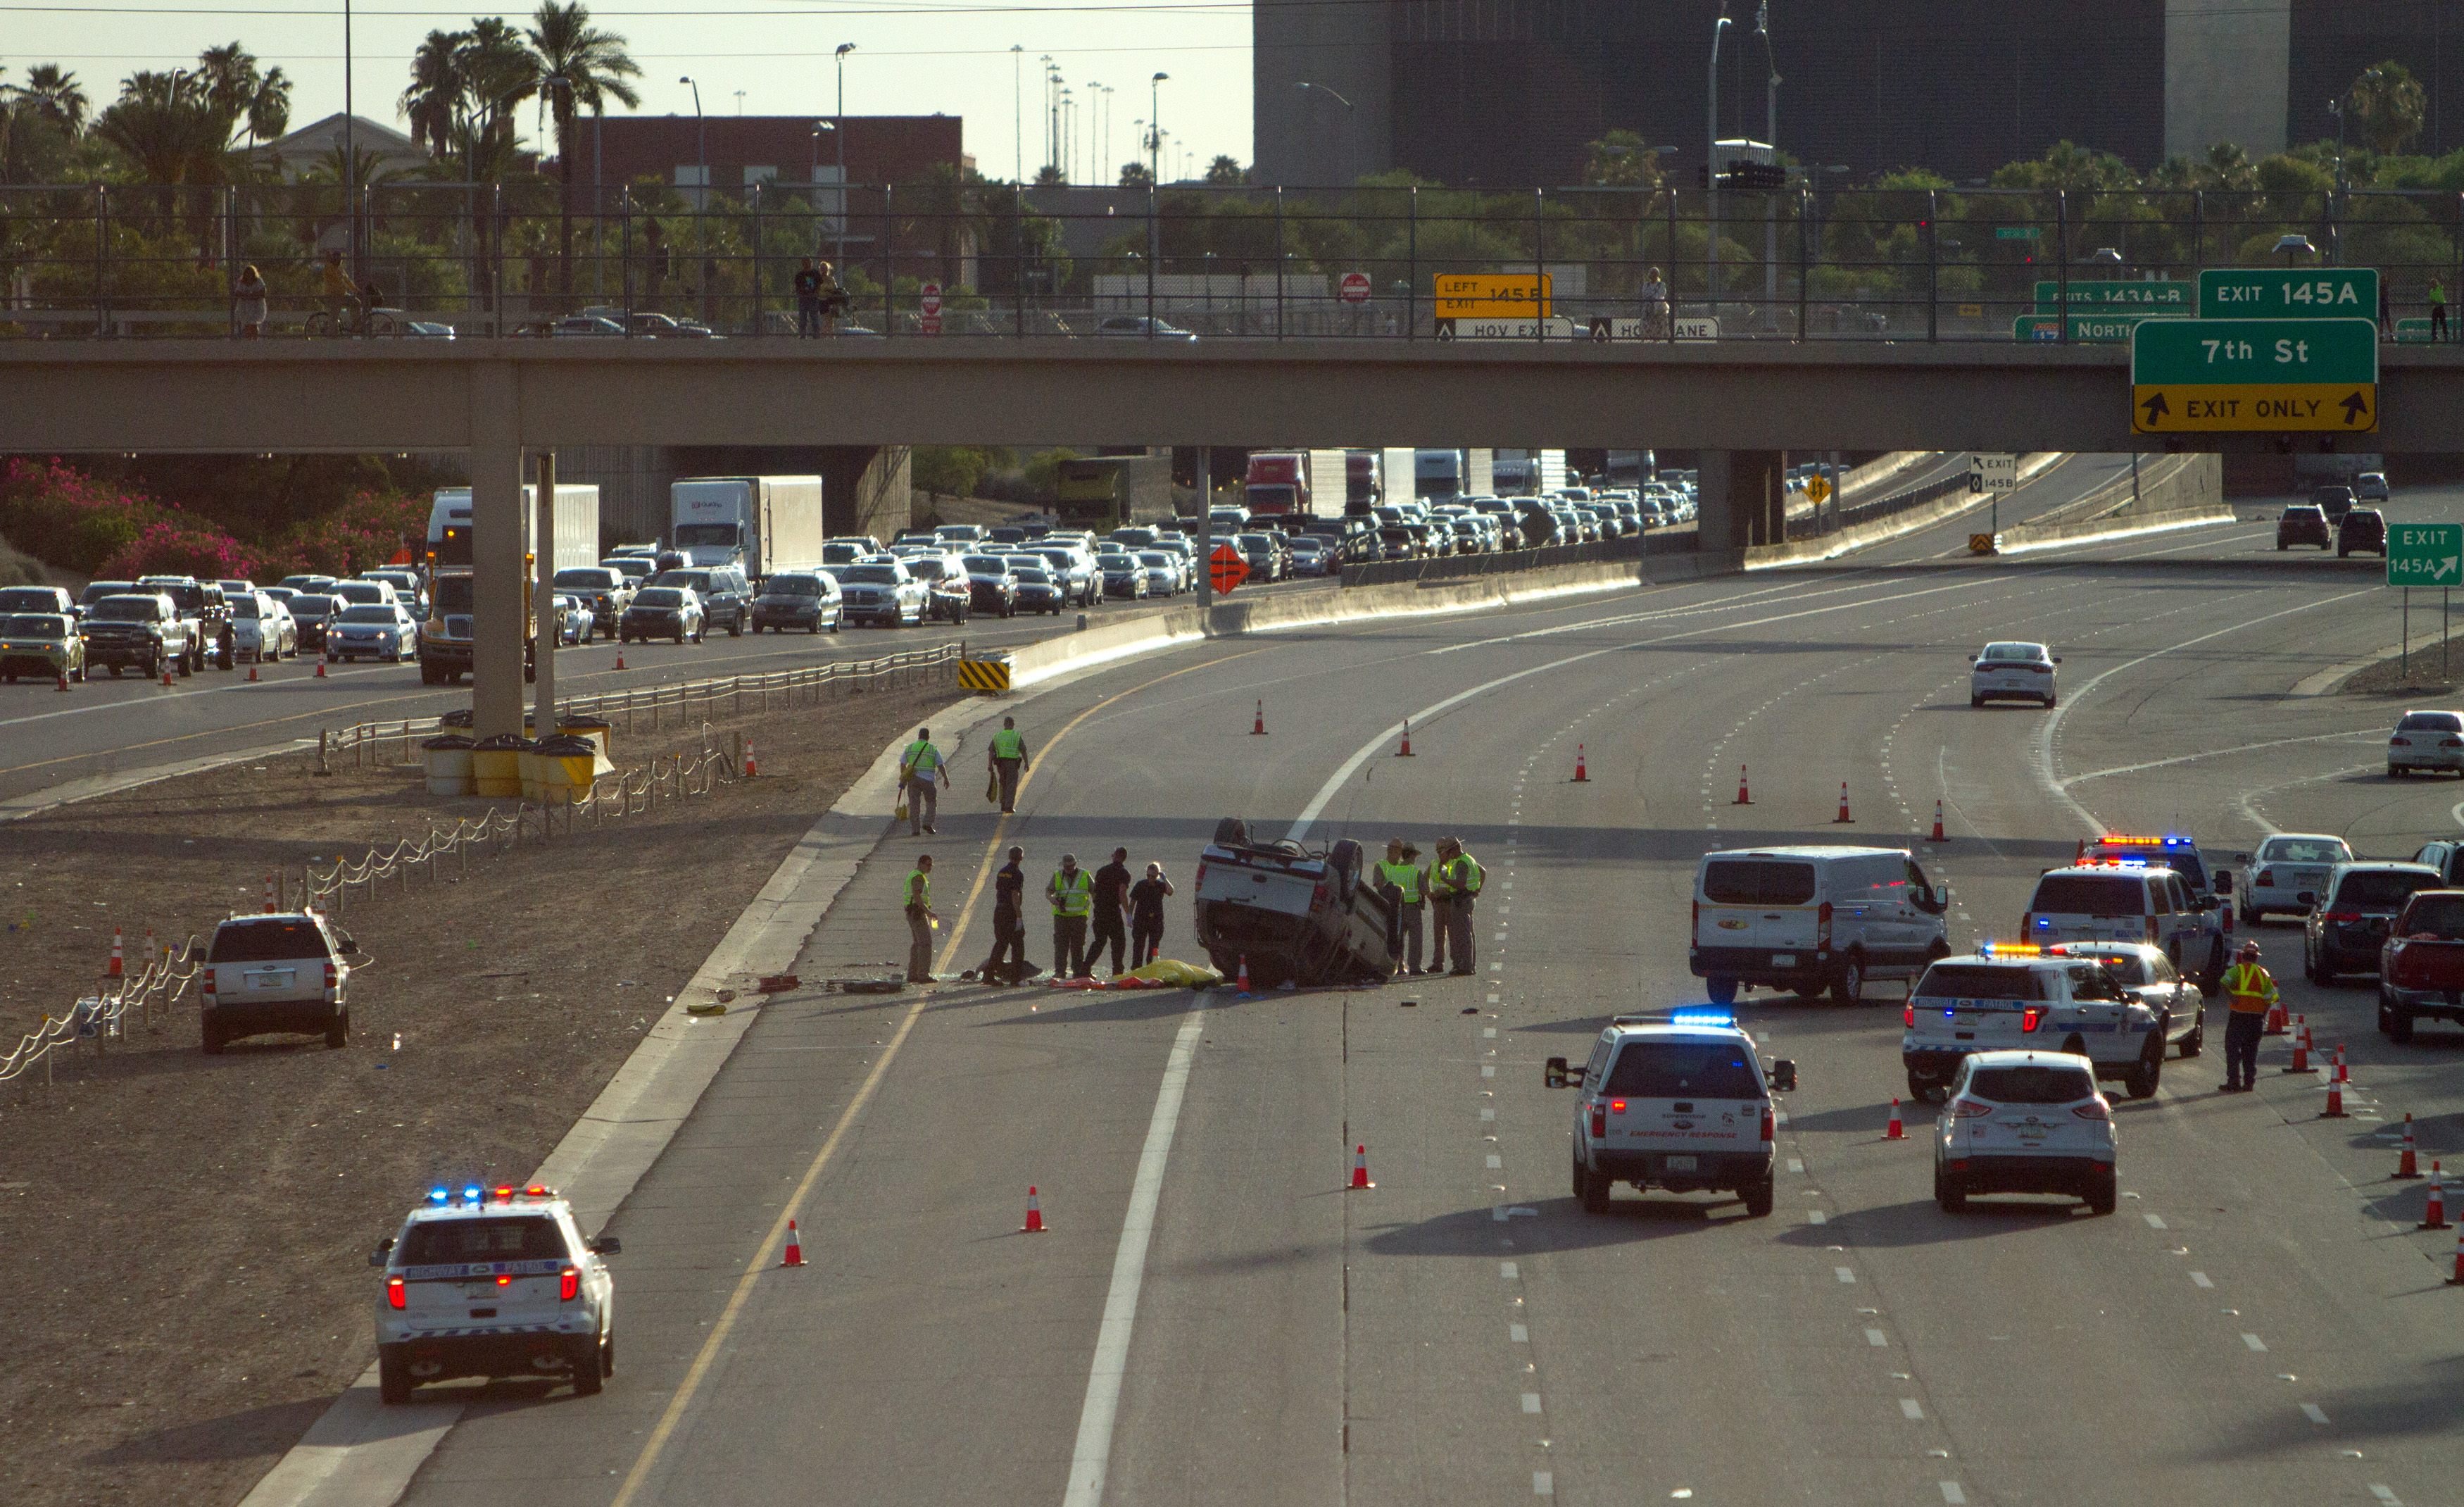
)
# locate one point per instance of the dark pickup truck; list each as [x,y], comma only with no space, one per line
[1293,915]
[2421,964]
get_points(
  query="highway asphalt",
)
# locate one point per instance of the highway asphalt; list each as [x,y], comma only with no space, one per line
[1213,1319]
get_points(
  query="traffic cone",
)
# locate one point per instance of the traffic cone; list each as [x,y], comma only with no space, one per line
[1360,1183]
[1580,778]
[153,954]
[795,1254]
[1896,1131]
[2433,1214]
[2275,1019]
[1258,729]
[1243,981]
[271,905]
[1937,823]
[2457,1280]
[321,669]
[167,677]
[620,656]
[2300,1062]
[751,768]
[114,969]
[1405,752]
[1843,818]
[2406,1167]
[252,671]
[1743,798]
[2335,1109]
[64,680]
[1034,1224]
[2342,1074]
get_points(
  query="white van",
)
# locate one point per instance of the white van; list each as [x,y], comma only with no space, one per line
[1814,918]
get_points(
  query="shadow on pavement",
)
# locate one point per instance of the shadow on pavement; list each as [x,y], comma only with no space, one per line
[1920,1222]
[1560,1225]
[267,1431]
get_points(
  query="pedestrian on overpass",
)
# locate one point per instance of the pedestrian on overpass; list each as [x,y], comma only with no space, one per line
[1399,876]
[1009,923]
[919,767]
[1007,759]
[919,920]
[2438,309]
[807,283]
[1146,916]
[1112,911]
[1462,878]
[1654,306]
[2250,994]
[1072,892]
[248,302]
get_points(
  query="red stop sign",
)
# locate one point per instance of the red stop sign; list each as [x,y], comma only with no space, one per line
[1227,568]
[1354,288]
[932,297]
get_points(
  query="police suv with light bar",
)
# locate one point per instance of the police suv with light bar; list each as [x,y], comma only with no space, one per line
[499,1281]
[2208,890]
[1675,1100]
[2007,996]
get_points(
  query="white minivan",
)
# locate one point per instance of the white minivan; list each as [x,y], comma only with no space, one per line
[1814,918]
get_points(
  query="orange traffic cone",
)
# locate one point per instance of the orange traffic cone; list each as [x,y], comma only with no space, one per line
[1896,1131]
[271,905]
[251,671]
[1843,818]
[321,669]
[167,677]
[1258,729]
[1580,778]
[1743,798]
[2457,1280]
[1034,1224]
[751,768]
[2335,1109]
[2433,1215]
[1360,1169]
[114,969]
[795,1254]
[2344,1075]
[2300,1062]
[1405,752]
[1243,984]
[620,656]
[2406,1167]
[64,680]
[1937,823]
[153,954]
[2276,1020]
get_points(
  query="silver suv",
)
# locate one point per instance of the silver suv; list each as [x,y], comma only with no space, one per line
[285,971]
[1678,1101]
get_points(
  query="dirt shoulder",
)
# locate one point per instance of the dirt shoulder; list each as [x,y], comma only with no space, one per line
[2427,671]
[184,1238]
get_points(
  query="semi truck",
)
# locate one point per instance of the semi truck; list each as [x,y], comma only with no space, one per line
[1297,483]
[1108,492]
[766,525]
[1442,473]
[1364,480]
[444,637]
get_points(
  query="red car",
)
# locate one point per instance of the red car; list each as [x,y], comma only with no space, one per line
[2304,523]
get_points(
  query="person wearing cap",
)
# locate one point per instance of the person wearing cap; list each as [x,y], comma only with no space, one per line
[1006,757]
[919,920]
[1399,876]
[1463,877]
[2250,994]
[1072,892]
[918,767]
[1009,923]
[1112,911]
[1146,916]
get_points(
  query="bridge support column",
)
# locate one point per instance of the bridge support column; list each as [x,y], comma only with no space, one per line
[1741,497]
[496,625]
[540,624]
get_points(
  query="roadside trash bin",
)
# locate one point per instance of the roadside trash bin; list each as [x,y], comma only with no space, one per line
[456,722]
[567,768]
[447,757]
[601,733]
[497,766]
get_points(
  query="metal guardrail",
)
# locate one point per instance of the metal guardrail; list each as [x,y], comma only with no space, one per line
[102,1017]
[1802,262]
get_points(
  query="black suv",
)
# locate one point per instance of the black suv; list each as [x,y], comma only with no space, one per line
[2363,530]
[726,596]
[140,630]
[2336,499]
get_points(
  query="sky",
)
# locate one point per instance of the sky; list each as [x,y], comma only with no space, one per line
[912,58]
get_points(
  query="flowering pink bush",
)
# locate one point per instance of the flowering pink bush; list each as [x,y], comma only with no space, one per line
[183,548]
[59,513]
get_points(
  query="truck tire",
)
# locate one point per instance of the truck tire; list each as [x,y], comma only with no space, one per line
[2399,1025]
[1591,1190]
[393,1374]
[1758,1198]
[1848,980]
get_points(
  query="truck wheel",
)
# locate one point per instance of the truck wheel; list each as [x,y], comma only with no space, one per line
[393,1374]
[2399,1026]
[1592,1189]
[1721,991]
[1848,982]
[188,668]
[339,1032]
[587,1377]
[1758,1198]
[210,1038]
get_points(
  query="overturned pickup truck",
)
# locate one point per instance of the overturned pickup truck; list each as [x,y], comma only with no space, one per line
[1296,915]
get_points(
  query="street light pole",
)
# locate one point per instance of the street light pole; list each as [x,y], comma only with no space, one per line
[1771,139]
[1155,187]
[838,130]
[1710,182]
[1016,113]
[350,145]
[701,147]
[814,177]
[1352,121]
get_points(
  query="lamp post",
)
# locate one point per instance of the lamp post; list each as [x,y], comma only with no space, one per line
[1352,118]
[1771,140]
[1155,187]
[838,131]
[813,176]
[1711,179]
[701,147]
[1051,115]
[1018,113]
[1069,132]
[350,142]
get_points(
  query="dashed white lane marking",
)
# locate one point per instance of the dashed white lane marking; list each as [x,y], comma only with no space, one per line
[2315,1414]
[1492,999]
[1797,1165]
[2154,1222]
[2385,1494]
[1488,1114]
[1911,1409]
[1815,1216]
[1531,1402]
[2255,1342]
[1496,1163]
[1877,1339]
[1507,1271]
[1519,1334]
[1490,1032]
[2200,1279]
[1543,1484]
[1845,1275]
[1951,1493]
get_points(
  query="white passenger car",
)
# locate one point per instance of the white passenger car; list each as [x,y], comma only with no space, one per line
[2012,671]
[2286,868]
[2426,740]
[494,1282]
[2024,1122]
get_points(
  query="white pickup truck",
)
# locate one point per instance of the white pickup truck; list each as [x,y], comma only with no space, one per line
[1293,916]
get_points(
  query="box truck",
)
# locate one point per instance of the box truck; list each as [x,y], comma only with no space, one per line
[765,524]
[577,525]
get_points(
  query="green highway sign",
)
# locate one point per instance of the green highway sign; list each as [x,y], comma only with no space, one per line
[2412,332]
[2254,376]
[2288,292]
[2017,233]
[2113,298]
[2425,554]
[2086,329]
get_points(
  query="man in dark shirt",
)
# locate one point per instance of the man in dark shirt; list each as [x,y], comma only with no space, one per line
[1146,916]
[1009,923]
[1111,907]
[809,300]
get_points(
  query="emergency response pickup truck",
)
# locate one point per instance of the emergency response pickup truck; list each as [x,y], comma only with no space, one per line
[2008,996]
[2421,964]
[1293,915]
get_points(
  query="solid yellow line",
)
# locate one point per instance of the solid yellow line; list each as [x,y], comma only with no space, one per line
[761,1261]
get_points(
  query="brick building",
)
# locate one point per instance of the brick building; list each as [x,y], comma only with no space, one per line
[745,149]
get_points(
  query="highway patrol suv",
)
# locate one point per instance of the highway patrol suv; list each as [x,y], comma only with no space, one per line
[2012,996]
[2210,891]
[496,1282]
[1675,1100]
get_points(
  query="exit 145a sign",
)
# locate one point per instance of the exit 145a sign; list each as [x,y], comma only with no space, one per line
[2286,292]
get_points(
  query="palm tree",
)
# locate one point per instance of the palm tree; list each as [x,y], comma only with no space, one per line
[498,72]
[434,98]
[584,66]
[2390,106]
[53,93]
[257,100]
[170,127]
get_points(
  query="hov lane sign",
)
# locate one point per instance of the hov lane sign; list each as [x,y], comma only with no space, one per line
[2254,376]
[2425,554]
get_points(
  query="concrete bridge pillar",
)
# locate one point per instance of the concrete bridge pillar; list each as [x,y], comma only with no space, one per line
[495,551]
[1741,499]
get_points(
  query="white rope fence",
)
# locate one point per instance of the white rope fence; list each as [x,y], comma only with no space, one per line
[103,1016]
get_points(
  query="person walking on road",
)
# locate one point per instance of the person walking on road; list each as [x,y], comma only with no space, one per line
[1462,878]
[919,768]
[919,920]
[248,303]
[1009,923]
[1146,916]
[1006,757]
[1072,892]
[1400,875]
[2251,992]
[1112,911]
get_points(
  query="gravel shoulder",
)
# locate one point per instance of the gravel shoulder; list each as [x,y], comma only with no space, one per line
[183,1238]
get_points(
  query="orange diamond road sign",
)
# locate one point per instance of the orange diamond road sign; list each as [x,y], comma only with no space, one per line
[1227,568]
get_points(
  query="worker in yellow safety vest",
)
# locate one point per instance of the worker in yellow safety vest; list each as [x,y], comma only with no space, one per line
[2250,994]
[1461,876]
[1399,879]
[1072,892]
[918,769]
[1006,757]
